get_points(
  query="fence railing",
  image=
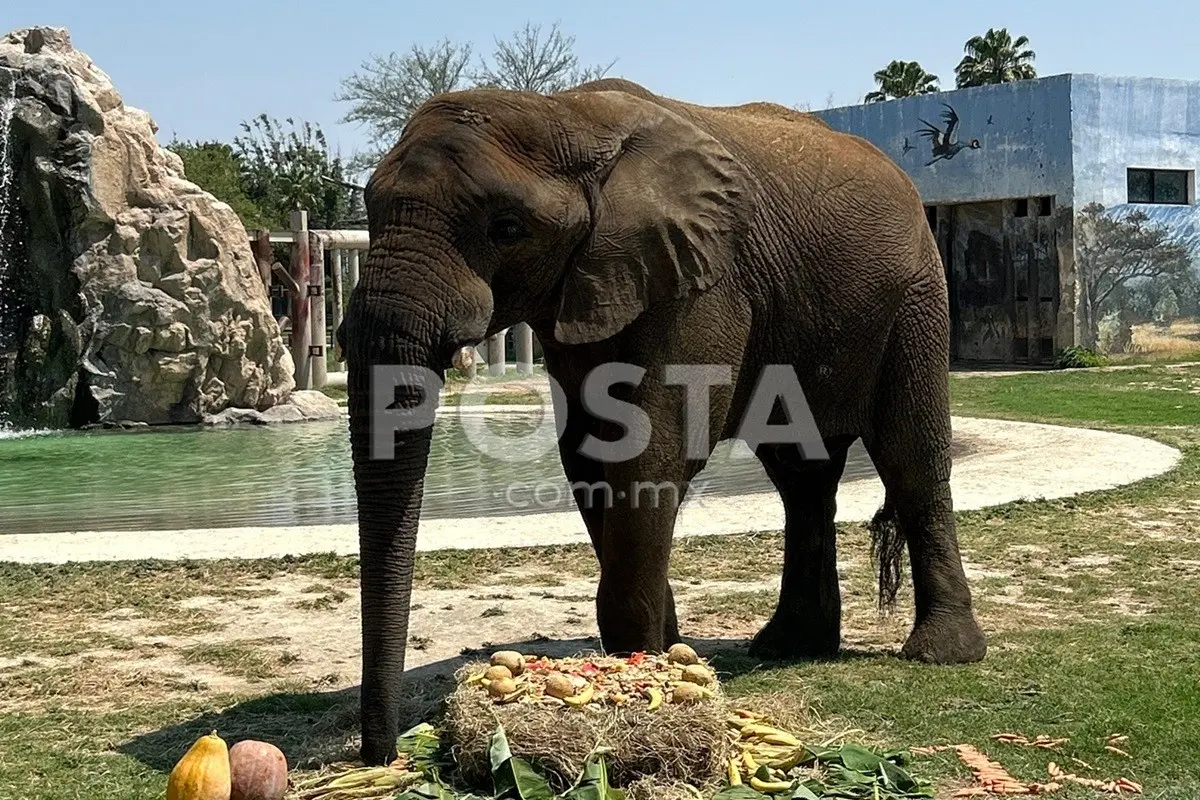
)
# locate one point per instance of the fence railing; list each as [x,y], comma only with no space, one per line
[316,285]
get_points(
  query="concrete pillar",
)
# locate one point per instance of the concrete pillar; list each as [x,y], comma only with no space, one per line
[316,288]
[524,347]
[496,360]
[299,269]
[335,302]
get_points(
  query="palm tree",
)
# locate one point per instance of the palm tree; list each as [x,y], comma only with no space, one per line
[995,57]
[902,79]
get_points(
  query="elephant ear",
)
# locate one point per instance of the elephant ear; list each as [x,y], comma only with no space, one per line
[668,207]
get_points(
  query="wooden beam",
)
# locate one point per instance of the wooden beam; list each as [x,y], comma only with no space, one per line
[260,246]
[335,302]
[301,333]
[283,275]
[318,336]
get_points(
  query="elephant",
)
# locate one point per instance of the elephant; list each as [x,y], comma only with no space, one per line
[632,229]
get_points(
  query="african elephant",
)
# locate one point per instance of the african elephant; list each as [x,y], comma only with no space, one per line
[629,228]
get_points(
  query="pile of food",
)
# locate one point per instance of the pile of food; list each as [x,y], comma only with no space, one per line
[660,715]
[674,677]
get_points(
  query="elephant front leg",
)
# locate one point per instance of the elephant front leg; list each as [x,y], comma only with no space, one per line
[634,596]
[592,494]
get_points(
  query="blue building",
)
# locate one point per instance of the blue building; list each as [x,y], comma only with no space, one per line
[1019,181]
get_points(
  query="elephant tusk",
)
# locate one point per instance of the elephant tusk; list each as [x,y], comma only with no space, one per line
[463,359]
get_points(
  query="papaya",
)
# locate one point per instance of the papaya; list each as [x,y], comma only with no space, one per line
[203,773]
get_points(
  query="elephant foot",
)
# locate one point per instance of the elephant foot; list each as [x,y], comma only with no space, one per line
[377,752]
[792,637]
[954,638]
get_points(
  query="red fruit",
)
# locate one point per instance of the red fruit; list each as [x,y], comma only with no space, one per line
[258,771]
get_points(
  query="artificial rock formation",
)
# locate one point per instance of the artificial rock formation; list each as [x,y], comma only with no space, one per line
[131,294]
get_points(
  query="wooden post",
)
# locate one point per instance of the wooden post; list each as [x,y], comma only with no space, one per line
[335,301]
[299,268]
[353,272]
[316,289]
[523,334]
[260,245]
[496,358]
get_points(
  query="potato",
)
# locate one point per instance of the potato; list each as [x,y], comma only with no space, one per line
[686,693]
[511,659]
[682,654]
[698,675]
[559,685]
[497,672]
[502,687]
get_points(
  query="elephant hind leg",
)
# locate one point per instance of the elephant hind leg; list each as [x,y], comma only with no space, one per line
[807,622]
[909,443]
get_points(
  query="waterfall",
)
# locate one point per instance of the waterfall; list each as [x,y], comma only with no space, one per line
[8,247]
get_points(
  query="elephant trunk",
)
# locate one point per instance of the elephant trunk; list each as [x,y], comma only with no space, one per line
[389,494]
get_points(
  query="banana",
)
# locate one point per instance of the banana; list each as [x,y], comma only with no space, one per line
[735,774]
[784,763]
[582,699]
[656,697]
[749,762]
[769,786]
[771,735]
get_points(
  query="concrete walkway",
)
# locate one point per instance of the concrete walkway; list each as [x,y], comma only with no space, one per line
[1010,461]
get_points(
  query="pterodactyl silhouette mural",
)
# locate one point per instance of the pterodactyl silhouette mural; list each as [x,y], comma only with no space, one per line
[945,144]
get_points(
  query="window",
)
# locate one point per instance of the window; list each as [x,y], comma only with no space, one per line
[1022,209]
[1164,186]
[1045,206]
[931,216]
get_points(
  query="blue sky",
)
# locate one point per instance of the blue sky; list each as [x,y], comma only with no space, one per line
[200,68]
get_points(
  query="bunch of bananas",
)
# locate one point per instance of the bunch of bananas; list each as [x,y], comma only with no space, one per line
[768,753]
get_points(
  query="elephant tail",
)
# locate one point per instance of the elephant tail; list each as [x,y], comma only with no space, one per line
[887,552]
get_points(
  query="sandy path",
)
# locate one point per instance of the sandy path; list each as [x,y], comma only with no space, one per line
[1011,461]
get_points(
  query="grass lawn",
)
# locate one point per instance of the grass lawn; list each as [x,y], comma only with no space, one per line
[1090,605]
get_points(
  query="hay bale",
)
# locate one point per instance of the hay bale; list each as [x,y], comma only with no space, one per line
[677,742]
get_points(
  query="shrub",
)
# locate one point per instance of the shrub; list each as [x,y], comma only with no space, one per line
[1077,357]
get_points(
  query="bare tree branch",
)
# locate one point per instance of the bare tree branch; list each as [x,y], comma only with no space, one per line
[388,90]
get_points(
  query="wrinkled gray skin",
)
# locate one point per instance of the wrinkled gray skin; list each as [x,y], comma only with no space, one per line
[628,227]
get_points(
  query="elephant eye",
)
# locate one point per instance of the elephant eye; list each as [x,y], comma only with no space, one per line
[506,229]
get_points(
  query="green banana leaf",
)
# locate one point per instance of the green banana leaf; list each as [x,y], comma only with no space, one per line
[512,777]
[593,783]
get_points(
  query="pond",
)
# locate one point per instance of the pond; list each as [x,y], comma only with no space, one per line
[293,474]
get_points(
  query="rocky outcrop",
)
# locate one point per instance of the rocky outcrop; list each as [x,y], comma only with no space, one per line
[303,406]
[131,294]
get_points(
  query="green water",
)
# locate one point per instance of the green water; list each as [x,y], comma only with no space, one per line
[292,474]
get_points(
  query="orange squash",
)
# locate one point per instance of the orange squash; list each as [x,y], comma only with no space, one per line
[202,773]
[259,771]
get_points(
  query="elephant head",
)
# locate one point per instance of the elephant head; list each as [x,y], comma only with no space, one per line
[581,210]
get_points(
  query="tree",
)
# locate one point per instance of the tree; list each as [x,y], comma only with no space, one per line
[902,79]
[995,57]
[527,64]
[1113,252]
[282,171]
[389,89]
[215,168]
